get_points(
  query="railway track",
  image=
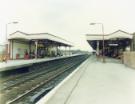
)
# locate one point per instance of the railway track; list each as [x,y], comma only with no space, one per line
[29,76]
[43,66]
[27,91]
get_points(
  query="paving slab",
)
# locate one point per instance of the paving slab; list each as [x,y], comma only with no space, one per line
[95,82]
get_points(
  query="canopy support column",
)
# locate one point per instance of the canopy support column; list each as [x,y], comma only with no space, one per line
[36,54]
[97,48]
[12,44]
[69,50]
[65,50]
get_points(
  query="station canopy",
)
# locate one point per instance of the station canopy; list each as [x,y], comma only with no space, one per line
[115,35]
[41,37]
[119,39]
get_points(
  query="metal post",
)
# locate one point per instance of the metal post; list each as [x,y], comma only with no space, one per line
[36,43]
[12,48]
[57,47]
[103,44]
[103,52]
[69,50]
[7,44]
[65,50]
[97,48]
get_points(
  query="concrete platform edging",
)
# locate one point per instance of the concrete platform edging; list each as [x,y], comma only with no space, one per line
[65,92]
[13,64]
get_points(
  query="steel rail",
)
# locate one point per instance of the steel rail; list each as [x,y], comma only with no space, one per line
[41,84]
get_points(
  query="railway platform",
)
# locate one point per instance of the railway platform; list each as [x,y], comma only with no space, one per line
[94,82]
[14,64]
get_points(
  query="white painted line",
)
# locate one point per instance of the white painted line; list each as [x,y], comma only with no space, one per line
[45,99]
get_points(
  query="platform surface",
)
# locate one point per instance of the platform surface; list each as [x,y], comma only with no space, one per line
[95,82]
[12,64]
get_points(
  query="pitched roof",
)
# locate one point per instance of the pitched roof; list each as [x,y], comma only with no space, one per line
[116,34]
[38,36]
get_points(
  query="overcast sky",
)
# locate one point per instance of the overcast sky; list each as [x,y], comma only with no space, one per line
[67,18]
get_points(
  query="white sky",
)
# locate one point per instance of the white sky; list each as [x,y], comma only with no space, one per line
[67,18]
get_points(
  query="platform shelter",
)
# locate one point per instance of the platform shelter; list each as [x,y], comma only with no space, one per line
[114,43]
[38,45]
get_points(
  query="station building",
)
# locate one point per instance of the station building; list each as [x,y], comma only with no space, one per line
[38,45]
[114,43]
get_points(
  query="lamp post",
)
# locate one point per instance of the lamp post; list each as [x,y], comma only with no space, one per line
[103,56]
[7,44]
